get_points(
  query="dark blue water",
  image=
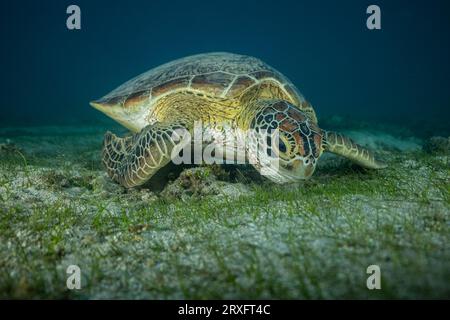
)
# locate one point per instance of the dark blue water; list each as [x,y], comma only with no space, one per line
[398,75]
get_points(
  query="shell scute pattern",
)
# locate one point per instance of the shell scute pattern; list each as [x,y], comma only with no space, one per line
[239,84]
[212,83]
[216,74]
[135,99]
[177,83]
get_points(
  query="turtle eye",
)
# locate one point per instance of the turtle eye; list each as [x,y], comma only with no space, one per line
[282,146]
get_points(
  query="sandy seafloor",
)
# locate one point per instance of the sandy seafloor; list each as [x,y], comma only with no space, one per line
[213,232]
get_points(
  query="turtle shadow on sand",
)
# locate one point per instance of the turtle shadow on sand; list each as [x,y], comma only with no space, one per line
[163,177]
[181,181]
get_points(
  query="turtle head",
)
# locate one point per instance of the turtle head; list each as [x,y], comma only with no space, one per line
[130,115]
[292,143]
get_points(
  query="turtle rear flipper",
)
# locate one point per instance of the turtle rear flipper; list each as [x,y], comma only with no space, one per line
[132,160]
[339,144]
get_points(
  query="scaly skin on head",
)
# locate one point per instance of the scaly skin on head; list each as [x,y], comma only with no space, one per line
[296,142]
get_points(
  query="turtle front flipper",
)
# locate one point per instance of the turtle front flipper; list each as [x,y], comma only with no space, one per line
[339,144]
[133,160]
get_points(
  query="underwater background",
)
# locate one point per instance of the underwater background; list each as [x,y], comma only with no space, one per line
[224,231]
[397,75]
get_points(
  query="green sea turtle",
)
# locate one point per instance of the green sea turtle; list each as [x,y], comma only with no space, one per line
[227,92]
